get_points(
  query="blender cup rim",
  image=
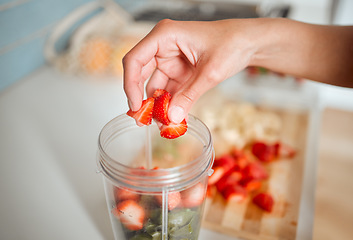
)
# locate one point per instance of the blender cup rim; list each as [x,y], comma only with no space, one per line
[156,180]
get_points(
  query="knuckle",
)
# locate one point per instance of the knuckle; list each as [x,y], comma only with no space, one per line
[189,95]
[212,75]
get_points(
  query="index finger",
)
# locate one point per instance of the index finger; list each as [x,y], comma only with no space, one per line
[138,64]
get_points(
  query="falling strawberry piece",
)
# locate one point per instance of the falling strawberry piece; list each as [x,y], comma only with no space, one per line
[174,199]
[173,130]
[234,193]
[193,196]
[144,114]
[121,194]
[130,214]
[264,201]
[160,108]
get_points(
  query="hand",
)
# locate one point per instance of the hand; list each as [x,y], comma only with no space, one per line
[186,59]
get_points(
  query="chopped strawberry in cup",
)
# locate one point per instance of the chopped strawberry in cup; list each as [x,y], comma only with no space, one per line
[174,199]
[121,193]
[130,214]
[194,196]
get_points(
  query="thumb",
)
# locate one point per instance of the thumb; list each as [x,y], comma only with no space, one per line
[182,100]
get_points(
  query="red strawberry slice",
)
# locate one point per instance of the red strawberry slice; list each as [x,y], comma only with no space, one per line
[285,150]
[265,152]
[158,92]
[255,170]
[230,179]
[130,214]
[221,167]
[121,194]
[173,130]
[234,193]
[160,109]
[193,196]
[264,201]
[240,158]
[174,199]
[144,114]
[251,185]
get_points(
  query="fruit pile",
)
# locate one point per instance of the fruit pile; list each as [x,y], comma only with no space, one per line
[140,215]
[156,107]
[240,174]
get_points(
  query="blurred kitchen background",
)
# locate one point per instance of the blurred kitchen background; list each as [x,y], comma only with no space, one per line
[61,81]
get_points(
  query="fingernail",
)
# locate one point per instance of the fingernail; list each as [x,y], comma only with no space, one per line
[176,114]
[129,103]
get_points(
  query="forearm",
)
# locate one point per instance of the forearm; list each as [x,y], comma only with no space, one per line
[320,53]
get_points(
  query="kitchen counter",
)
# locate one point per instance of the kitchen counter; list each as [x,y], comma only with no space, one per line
[49,126]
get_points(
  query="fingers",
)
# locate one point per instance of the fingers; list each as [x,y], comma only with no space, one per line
[157,80]
[182,100]
[138,64]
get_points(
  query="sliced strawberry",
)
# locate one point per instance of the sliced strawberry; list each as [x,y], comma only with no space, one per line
[240,158]
[221,167]
[193,196]
[251,185]
[234,193]
[255,170]
[173,130]
[130,214]
[264,201]
[144,114]
[230,179]
[174,199]
[160,109]
[218,173]
[265,152]
[285,150]
[121,194]
[158,92]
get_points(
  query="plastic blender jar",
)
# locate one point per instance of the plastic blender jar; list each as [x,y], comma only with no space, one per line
[155,188]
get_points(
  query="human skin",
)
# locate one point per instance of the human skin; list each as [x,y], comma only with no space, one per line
[189,58]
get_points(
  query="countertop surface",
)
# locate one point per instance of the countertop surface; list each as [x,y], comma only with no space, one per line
[49,126]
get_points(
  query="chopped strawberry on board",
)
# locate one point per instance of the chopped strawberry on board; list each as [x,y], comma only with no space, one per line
[174,199]
[265,152]
[255,170]
[121,194]
[251,185]
[234,193]
[193,196]
[240,158]
[285,150]
[160,108]
[221,167]
[229,179]
[269,152]
[173,130]
[144,114]
[264,201]
[130,214]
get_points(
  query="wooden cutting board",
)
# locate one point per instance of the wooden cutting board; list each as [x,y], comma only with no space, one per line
[247,221]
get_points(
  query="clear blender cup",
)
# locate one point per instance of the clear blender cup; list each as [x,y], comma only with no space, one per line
[155,188]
